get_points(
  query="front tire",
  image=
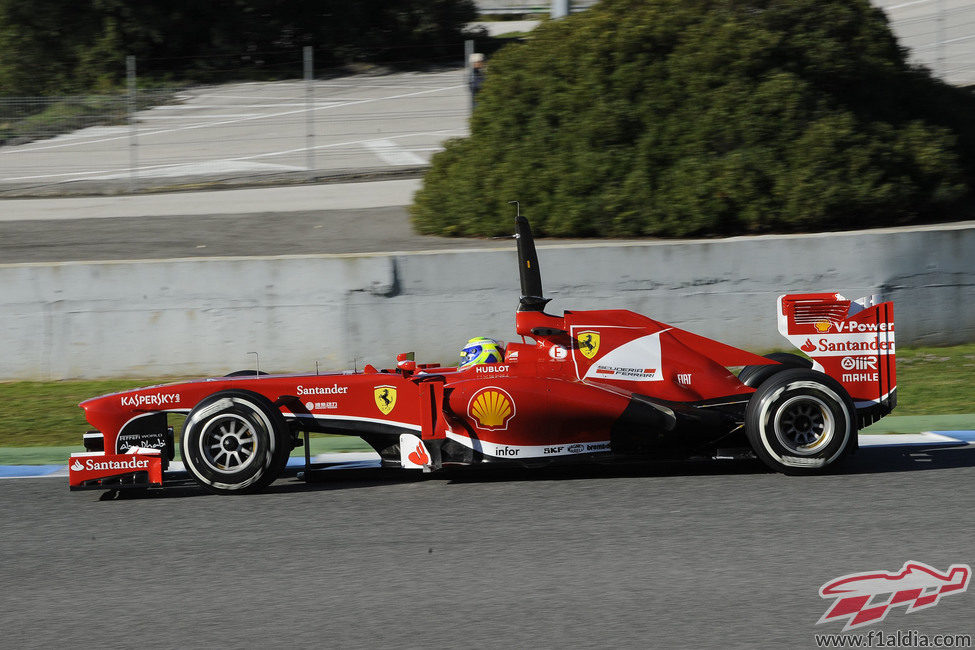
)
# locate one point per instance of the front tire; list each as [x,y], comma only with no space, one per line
[800,421]
[235,442]
[246,373]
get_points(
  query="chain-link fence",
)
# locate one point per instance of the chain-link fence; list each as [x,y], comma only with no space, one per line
[306,123]
[324,122]
[25,119]
[510,7]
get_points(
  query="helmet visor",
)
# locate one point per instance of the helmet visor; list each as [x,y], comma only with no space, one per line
[470,354]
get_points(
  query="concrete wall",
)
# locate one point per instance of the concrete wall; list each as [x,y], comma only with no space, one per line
[203,316]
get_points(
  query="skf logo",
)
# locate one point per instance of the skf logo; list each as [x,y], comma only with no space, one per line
[385,398]
[823,326]
[588,344]
[492,408]
[916,585]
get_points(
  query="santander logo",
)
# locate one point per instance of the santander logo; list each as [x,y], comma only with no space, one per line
[93,465]
[419,455]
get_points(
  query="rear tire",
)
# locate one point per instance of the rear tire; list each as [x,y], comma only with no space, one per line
[235,442]
[800,421]
[754,375]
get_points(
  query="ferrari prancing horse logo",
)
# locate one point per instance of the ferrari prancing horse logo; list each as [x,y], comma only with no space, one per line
[385,398]
[588,343]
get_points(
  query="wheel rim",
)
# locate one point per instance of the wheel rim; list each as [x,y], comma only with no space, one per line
[228,443]
[804,425]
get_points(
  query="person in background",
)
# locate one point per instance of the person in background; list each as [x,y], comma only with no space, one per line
[477,76]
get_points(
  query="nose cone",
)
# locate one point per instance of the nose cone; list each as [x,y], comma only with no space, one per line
[98,411]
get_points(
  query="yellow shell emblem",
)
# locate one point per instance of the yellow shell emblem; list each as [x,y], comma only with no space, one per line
[385,398]
[492,408]
[823,326]
[588,344]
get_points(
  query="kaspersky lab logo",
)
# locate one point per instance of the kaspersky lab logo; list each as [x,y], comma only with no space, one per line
[866,598]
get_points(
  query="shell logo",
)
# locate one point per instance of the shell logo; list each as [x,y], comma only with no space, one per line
[492,408]
[823,326]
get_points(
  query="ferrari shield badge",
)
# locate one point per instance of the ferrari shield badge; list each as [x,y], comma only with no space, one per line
[588,344]
[385,398]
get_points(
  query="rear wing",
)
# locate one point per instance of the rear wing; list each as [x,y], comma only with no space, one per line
[852,341]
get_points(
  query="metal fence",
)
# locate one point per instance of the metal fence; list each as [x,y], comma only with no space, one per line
[313,122]
[316,123]
[516,7]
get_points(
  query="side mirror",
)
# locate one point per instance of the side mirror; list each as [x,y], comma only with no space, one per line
[406,361]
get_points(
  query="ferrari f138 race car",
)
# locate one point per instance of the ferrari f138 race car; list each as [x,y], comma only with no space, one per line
[584,386]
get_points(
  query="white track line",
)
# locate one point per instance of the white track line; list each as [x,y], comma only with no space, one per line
[194,117]
[926,439]
[177,466]
[270,154]
[390,153]
[189,127]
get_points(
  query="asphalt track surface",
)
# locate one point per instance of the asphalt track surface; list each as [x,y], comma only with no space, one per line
[362,217]
[702,554]
[219,235]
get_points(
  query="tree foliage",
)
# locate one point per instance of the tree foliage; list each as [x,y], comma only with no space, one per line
[63,46]
[696,117]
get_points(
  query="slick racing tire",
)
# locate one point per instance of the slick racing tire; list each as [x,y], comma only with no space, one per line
[800,421]
[235,442]
[754,375]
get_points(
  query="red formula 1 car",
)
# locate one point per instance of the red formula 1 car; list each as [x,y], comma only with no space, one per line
[583,386]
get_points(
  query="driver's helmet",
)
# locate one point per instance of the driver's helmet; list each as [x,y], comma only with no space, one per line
[481,350]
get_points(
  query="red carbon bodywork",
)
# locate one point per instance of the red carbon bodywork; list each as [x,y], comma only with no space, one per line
[96,468]
[851,341]
[553,392]
[580,384]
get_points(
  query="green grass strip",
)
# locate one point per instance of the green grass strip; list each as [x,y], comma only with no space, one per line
[930,381]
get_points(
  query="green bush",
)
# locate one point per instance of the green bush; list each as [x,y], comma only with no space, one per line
[697,117]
